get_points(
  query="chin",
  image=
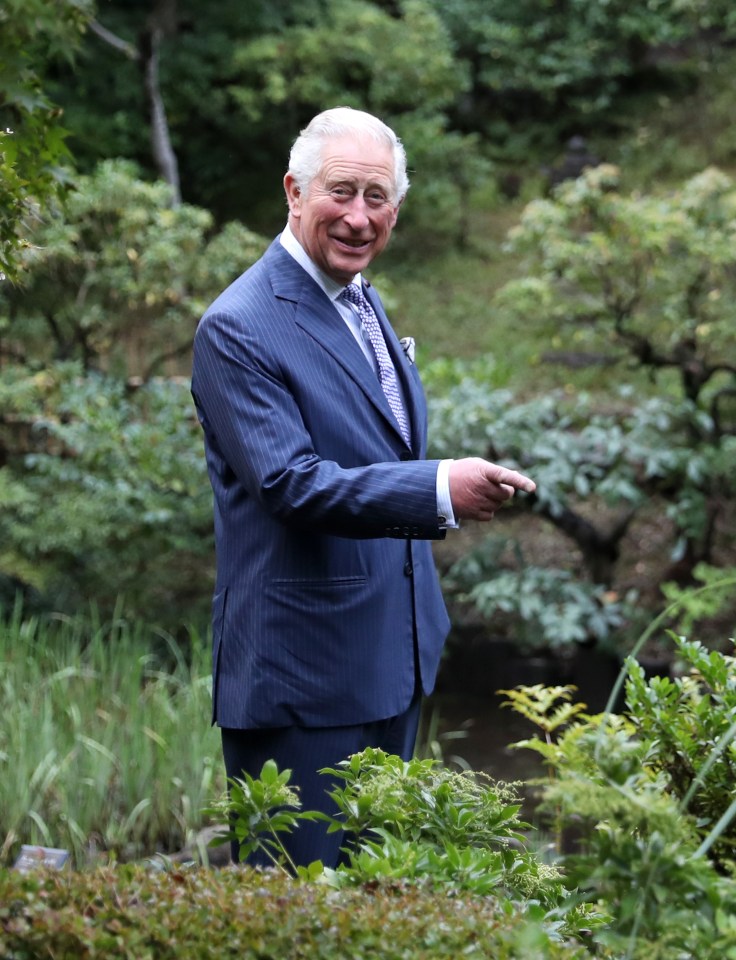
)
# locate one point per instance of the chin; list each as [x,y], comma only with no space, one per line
[345,272]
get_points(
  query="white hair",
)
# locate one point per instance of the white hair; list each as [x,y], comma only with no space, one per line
[305,159]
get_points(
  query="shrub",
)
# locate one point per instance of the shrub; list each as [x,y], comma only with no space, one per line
[128,914]
[413,821]
[646,801]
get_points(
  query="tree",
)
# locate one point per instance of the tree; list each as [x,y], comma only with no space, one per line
[653,280]
[33,34]
[102,476]
[104,493]
[117,278]
[239,83]
[653,275]
[542,70]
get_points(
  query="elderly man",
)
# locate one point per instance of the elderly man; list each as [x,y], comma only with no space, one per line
[328,620]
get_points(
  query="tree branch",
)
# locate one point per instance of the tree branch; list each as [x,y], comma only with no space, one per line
[600,548]
[177,351]
[128,49]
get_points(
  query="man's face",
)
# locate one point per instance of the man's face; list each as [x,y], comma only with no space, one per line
[345,219]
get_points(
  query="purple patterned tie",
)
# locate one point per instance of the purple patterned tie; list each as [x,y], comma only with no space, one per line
[386,372]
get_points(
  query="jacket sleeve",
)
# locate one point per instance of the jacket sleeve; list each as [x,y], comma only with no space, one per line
[258,445]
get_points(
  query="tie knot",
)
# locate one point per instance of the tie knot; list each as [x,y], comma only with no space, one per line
[354,294]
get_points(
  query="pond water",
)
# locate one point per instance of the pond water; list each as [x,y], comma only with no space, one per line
[476,732]
[467,718]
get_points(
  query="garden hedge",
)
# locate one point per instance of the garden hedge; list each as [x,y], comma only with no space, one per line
[138,914]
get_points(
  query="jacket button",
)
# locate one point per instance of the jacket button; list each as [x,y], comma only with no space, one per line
[408,569]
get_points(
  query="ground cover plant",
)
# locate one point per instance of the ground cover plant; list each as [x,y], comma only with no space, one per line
[414,820]
[642,804]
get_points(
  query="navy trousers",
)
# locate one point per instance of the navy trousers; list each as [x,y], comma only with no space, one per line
[305,750]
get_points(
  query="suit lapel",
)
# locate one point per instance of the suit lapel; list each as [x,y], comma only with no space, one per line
[319,318]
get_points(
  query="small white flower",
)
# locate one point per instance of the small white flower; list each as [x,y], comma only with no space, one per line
[408,346]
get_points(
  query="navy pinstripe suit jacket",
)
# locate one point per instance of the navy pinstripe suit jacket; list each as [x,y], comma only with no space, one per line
[326,587]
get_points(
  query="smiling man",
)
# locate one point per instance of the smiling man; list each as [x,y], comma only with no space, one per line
[343,215]
[328,621]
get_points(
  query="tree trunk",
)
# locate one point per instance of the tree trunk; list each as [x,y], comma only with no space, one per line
[163,152]
[600,548]
[161,22]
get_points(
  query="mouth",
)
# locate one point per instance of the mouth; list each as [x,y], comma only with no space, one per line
[352,243]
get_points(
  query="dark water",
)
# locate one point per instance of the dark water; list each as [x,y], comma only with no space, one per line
[479,733]
[466,716]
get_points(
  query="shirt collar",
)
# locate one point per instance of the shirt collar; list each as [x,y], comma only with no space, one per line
[290,243]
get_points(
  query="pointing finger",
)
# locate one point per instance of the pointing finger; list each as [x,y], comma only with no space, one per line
[511,478]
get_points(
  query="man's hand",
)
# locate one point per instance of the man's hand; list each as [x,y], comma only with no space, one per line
[478,488]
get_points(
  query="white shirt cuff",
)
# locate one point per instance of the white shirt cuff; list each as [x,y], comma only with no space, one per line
[445,513]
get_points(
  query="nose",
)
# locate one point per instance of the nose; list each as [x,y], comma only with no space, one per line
[356,215]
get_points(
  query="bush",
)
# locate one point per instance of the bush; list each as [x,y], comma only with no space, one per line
[105,493]
[644,803]
[412,821]
[195,915]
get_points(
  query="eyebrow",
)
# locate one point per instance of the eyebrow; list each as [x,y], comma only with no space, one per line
[383,185]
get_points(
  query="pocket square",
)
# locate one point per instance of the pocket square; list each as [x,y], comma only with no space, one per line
[408,346]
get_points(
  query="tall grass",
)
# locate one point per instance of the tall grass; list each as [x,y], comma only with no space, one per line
[105,742]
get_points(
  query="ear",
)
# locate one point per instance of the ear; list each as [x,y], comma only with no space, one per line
[293,195]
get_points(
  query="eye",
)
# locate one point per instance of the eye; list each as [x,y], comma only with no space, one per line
[376,198]
[340,191]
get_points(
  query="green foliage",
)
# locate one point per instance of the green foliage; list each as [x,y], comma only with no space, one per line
[118,278]
[358,54]
[543,608]
[104,747]
[260,808]
[648,799]
[679,718]
[541,70]
[105,492]
[548,708]
[599,466]
[420,800]
[262,73]
[495,79]
[103,478]
[226,161]
[694,604]
[573,450]
[412,821]
[33,33]
[128,914]
[654,274]
[353,45]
